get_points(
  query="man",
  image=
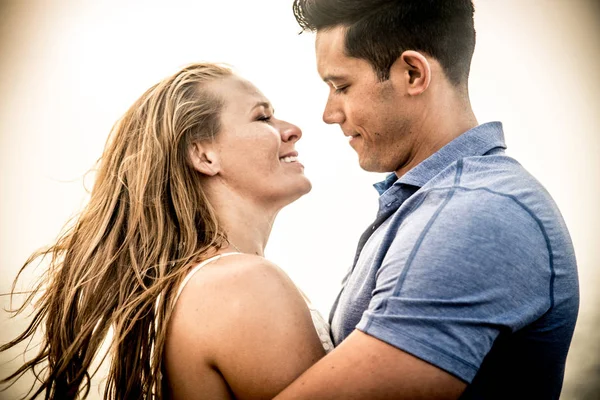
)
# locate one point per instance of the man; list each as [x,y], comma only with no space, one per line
[465,286]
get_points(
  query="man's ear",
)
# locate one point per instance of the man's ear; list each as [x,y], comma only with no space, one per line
[205,158]
[415,70]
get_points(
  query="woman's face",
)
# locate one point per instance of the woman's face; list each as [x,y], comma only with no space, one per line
[256,151]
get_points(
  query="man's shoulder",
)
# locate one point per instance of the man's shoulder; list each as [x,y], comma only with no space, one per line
[480,172]
[483,194]
[488,197]
[499,175]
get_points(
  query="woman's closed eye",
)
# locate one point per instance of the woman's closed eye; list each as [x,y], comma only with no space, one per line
[264,118]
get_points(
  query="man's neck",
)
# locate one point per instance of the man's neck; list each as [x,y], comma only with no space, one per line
[449,117]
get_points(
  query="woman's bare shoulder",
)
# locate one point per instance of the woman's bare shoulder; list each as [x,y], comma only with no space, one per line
[244,317]
[240,275]
[245,288]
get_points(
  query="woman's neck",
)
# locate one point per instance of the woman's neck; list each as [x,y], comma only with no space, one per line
[246,223]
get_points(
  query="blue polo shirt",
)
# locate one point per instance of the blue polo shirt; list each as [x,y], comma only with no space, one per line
[470,267]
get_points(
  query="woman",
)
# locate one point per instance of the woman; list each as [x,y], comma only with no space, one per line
[168,254]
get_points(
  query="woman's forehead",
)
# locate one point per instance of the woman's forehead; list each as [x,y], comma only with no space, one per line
[238,93]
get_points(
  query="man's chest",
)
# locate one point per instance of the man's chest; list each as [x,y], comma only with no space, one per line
[358,289]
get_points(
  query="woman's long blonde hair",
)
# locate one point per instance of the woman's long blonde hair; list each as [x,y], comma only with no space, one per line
[118,265]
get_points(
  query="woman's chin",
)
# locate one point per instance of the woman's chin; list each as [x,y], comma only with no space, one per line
[299,191]
[307,187]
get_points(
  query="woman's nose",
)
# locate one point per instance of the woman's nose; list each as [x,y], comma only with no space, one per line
[290,132]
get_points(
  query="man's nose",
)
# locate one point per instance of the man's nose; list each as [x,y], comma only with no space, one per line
[333,114]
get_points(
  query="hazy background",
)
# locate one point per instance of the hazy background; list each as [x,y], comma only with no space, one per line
[69,69]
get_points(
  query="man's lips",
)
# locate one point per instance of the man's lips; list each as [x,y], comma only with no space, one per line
[351,138]
[350,135]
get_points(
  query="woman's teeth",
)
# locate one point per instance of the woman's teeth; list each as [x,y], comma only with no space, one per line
[289,159]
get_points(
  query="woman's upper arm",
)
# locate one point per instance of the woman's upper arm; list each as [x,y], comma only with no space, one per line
[257,326]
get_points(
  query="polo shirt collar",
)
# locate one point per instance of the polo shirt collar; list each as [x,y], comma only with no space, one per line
[474,142]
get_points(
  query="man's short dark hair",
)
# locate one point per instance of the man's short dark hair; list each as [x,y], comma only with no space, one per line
[379,31]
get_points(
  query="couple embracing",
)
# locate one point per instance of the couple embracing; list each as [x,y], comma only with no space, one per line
[464,286]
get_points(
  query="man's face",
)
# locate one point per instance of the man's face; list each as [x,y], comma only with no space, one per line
[377,117]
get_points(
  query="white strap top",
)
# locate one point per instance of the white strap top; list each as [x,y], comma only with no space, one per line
[321,325]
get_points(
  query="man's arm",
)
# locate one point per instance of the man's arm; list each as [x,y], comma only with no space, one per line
[364,367]
[445,304]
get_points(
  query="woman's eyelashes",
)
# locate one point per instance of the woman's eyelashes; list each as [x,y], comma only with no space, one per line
[264,118]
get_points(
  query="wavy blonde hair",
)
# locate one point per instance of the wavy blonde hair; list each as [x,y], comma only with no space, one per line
[118,266]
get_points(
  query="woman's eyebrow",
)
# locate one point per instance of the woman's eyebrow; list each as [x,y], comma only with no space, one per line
[264,104]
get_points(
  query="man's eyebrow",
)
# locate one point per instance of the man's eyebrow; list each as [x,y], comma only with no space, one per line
[265,105]
[329,78]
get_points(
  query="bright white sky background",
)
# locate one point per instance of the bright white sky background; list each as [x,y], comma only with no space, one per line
[69,69]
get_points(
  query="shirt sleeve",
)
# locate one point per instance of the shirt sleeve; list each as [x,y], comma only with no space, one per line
[463,266]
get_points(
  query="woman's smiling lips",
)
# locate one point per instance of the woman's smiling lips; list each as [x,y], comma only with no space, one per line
[290,158]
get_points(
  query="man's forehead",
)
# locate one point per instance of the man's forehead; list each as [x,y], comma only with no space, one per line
[330,52]
[331,39]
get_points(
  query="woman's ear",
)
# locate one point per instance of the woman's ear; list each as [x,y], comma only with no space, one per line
[416,71]
[205,158]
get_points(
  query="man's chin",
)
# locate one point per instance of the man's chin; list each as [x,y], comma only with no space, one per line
[372,166]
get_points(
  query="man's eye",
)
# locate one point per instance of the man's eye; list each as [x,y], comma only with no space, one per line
[340,90]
